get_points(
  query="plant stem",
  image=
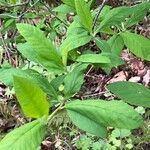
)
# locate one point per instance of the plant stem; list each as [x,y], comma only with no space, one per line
[99,11]
[55,112]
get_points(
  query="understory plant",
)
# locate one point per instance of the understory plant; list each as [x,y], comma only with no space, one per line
[42,100]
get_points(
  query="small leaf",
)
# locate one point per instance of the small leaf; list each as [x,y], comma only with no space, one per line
[31,98]
[69,3]
[102,45]
[63,9]
[137,44]
[102,114]
[26,137]
[75,41]
[116,43]
[93,58]
[115,61]
[132,93]
[42,48]
[72,42]
[76,28]
[74,80]
[83,11]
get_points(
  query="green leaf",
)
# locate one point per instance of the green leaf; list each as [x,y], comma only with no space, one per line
[74,80]
[75,41]
[63,9]
[69,3]
[115,61]
[31,98]
[83,11]
[76,28]
[138,12]
[93,58]
[6,77]
[104,113]
[87,124]
[116,43]
[102,45]
[137,44]
[26,137]
[41,47]
[72,42]
[132,93]
[114,17]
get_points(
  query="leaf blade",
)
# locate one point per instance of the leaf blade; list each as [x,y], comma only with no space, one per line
[31,98]
[43,47]
[83,11]
[132,93]
[137,44]
[99,111]
[20,138]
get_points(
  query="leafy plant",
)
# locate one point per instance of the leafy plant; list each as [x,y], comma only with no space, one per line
[39,98]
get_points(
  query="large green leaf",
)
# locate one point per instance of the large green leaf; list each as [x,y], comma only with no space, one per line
[31,98]
[138,12]
[6,77]
[93,58]
[114,17]
[44,49]
[87,124]
[83,11]
[102,114]
[137,44]
[27,51]
[26,137]
[132,93]
[74,80]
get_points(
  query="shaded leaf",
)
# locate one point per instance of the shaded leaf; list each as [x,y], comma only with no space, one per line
[102,45]
[115,61]
[116,43]
[132,93]
[74,80]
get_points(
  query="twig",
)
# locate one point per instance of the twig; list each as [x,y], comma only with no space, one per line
[99,11]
